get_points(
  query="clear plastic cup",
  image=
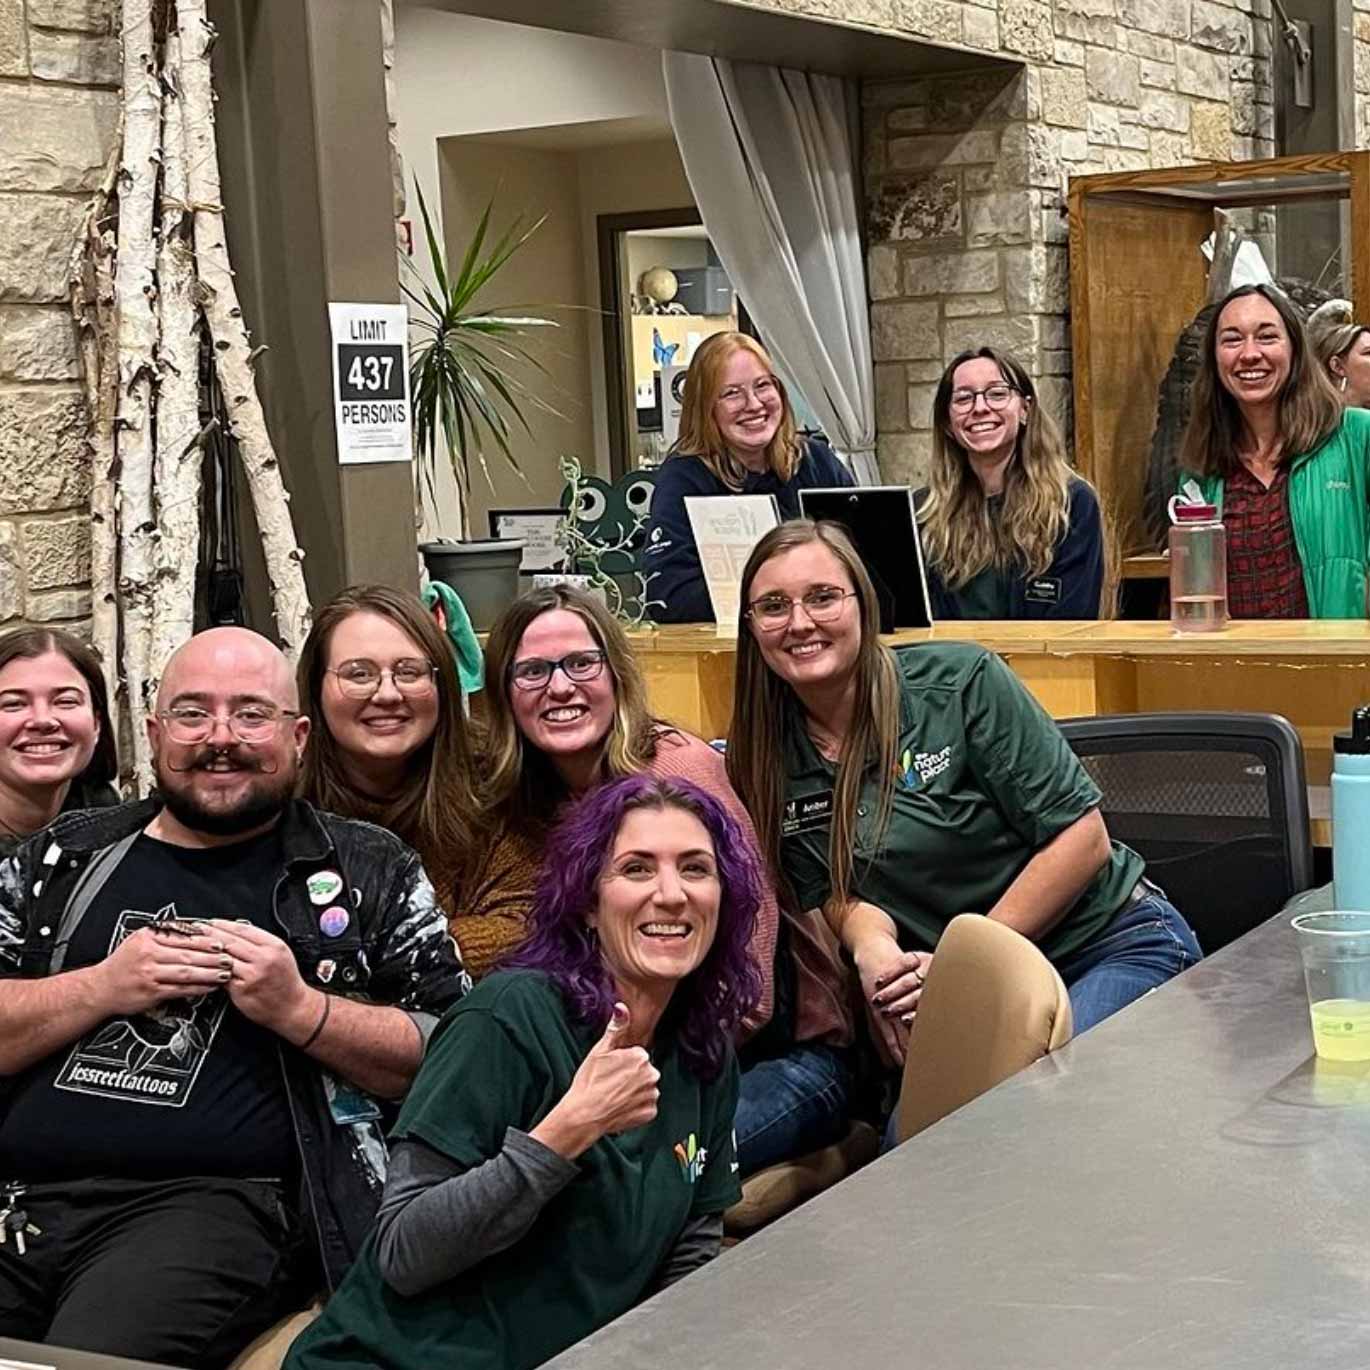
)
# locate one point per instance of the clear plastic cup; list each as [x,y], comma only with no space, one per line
[1335,948]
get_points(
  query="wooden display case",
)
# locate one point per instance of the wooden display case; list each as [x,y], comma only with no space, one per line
[1137,278]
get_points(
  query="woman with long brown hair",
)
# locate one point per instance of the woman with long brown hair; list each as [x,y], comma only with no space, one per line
[1010,531]
[1270,445]
[378,680]
[57,747]
[895,792]
[737,437]
[567,712]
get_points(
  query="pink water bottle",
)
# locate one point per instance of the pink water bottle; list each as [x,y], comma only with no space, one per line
[1198,568]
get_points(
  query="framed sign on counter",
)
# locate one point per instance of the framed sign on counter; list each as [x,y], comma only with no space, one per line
[539,530]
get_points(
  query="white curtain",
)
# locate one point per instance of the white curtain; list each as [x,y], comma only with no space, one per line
[771,159]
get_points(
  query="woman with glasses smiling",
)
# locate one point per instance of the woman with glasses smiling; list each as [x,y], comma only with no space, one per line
[379,683]
[567,711]
[895,792]
[1009,530]
[737,437]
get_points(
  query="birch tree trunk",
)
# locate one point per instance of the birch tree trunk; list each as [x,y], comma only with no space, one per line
[136,293]
[232,351]
[179,450]
[91,281]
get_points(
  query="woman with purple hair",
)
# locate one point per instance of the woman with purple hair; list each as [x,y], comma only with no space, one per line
[567,1146]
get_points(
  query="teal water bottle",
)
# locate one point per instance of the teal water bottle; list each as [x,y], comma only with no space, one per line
[1351,814]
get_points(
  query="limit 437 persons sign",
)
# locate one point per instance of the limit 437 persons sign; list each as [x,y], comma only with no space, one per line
[371,381]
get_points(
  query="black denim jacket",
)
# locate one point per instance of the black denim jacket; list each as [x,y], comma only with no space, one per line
[395,950]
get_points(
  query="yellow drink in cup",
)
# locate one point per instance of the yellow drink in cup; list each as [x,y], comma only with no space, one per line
[1341,1029]
[1335,949]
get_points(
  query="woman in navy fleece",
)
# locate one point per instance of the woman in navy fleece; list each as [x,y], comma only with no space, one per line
[1009,530]
[737,437]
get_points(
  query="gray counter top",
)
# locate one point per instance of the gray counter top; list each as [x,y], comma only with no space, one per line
[1183,1187]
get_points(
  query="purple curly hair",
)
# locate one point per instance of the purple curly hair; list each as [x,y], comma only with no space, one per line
[710,1003]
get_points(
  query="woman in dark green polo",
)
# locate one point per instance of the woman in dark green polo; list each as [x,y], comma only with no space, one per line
[897,791]
[567,1145]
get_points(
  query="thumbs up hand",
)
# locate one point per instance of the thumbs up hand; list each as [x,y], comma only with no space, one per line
[615,1090]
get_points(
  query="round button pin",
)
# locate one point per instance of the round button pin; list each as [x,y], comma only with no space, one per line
[333,922]
[324,886]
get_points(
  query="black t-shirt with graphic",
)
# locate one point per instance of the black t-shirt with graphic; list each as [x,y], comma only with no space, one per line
[192,1087]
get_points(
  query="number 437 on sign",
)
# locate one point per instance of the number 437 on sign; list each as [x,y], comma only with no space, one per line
[370,349]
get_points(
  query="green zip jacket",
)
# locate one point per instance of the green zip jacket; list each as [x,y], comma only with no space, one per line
[1329,506]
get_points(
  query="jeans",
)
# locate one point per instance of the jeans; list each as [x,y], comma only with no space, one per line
[185,1272]
[1146,944]
[791,1105]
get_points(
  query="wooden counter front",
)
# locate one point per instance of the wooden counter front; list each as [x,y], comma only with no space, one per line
[1313,672]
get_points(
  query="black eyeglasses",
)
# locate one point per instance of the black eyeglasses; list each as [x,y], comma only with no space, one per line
[536,672]
[996,396]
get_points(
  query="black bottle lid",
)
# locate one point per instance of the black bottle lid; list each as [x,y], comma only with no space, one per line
[1357,741]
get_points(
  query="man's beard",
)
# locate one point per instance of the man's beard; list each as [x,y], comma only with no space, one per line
[264,799]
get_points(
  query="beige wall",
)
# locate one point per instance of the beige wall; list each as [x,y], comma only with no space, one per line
[459,75]
[59,69]
[546,278]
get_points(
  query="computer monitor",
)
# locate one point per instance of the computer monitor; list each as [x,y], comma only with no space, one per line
[882,524]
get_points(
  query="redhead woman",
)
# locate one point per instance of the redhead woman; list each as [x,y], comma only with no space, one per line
[1269,444]
[567,711]
[895,792]
[1010,531]
[389,744]
[56,740]
[567,1147]
[737,437]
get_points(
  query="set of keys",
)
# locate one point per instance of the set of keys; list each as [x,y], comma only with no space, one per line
[14,1220]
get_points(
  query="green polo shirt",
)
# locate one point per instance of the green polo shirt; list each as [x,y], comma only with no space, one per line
[503,1057]
[983,781]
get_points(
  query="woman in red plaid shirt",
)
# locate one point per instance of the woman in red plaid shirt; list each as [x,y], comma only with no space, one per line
[1270,445]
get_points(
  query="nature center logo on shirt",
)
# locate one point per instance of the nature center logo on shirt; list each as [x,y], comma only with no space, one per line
[691,1157]
[915,768]
[903,770]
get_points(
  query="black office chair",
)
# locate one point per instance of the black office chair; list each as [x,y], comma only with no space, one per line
[1216,803]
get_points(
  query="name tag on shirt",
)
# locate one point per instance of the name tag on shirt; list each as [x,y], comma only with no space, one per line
[807,813]
[1043,590]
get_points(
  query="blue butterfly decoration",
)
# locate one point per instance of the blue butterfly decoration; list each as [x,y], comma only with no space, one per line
[661,353]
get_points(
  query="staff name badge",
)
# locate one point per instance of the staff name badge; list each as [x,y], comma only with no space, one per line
[806,813]
[371,409]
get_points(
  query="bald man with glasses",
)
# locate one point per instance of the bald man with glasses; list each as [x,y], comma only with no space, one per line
[206,1000]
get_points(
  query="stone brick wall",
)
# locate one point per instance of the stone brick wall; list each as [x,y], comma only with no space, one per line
[1109,85]
[59,71]
[965,176]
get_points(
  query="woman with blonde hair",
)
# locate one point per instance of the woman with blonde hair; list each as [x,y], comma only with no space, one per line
[1343,347]
[567,712]
[896,791]
[1009,530]
[737,437]
[389,744]
[1269,444]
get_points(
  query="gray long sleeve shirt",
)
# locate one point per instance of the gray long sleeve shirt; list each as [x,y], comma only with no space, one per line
[437,1220]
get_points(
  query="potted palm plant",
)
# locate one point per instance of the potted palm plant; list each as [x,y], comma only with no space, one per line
[466,380]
